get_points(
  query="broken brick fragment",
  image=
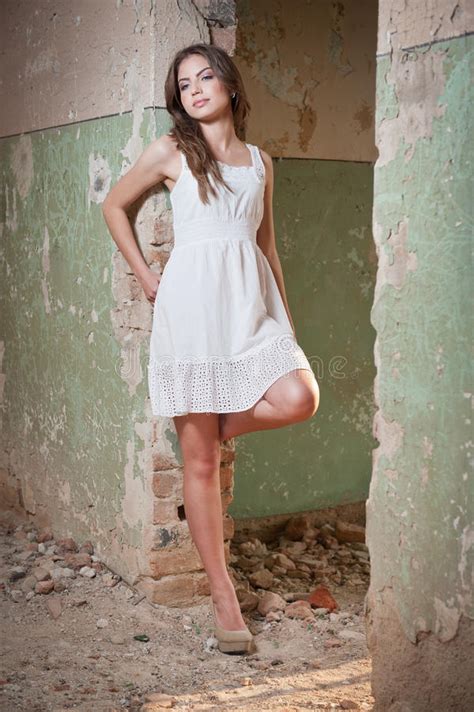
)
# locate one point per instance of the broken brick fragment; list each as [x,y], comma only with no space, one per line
[320,597]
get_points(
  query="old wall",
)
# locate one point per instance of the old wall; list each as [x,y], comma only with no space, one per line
[309,69]
[79,115]
[79,450]
[420,508]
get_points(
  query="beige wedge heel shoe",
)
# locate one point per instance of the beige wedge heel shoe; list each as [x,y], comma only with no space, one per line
[231,641]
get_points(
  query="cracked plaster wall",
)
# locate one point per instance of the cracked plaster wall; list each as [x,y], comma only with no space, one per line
[420,507]
[82,83]
[80,112]
[309,71]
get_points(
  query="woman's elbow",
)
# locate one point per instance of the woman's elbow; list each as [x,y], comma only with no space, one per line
[106,203]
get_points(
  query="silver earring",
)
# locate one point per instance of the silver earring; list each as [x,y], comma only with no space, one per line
[233,95]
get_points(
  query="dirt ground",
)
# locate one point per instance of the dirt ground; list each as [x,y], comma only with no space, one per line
[69,640]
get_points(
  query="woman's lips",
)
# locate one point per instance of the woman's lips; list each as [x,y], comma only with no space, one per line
[201,102]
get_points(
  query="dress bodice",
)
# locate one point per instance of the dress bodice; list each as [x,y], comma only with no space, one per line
[227,215]
[221,334]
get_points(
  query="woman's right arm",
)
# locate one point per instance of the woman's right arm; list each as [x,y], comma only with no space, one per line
[149,169]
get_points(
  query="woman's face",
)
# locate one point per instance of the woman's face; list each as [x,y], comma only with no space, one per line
[198,83]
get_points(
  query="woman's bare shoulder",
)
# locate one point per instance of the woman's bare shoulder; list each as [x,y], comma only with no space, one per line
[165,144]
[157,162]
[162,152]
[267,159]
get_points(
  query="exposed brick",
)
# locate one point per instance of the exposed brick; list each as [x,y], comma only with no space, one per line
[201,583]
[229,526]
[172,534]
[226,475]
[165,483]
[168,535]
[179,590]
[175,559]
[165,511]
[162,461]
[226,498]
[164,536]
[227,453]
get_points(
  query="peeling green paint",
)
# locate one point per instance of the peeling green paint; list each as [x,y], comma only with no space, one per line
[421,495]
[71,429]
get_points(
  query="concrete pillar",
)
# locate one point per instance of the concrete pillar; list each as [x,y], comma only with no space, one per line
[419,511]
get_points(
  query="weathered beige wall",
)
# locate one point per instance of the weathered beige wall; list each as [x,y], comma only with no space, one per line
[64,62]
[309,69]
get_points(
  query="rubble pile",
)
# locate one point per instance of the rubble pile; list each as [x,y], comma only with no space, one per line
[43,565]
[293,576]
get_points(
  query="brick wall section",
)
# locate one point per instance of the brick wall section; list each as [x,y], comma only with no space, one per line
[176,575]
[118,464]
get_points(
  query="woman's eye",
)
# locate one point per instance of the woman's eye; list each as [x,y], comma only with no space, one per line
[207,76]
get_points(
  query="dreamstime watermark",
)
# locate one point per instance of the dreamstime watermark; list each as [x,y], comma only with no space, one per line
[335,368]
[260,363]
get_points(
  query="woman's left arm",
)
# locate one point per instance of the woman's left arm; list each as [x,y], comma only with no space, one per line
[266,233]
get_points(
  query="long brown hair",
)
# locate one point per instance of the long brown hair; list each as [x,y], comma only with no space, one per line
[187,131]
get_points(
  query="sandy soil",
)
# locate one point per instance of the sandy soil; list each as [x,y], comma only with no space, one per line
[74,647]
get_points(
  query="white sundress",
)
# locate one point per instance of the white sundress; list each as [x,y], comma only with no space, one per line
[220,335]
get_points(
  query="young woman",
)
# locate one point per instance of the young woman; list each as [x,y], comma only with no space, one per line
[224,359]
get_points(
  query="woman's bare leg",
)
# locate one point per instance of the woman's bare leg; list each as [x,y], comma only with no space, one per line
[199,441]
[292,398]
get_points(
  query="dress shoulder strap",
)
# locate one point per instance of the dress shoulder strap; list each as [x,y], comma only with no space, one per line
[257,161]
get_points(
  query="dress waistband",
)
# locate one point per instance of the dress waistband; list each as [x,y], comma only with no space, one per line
[194,231]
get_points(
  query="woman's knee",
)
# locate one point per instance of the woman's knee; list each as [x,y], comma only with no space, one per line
[204,466]
[199,442]
[303,400]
